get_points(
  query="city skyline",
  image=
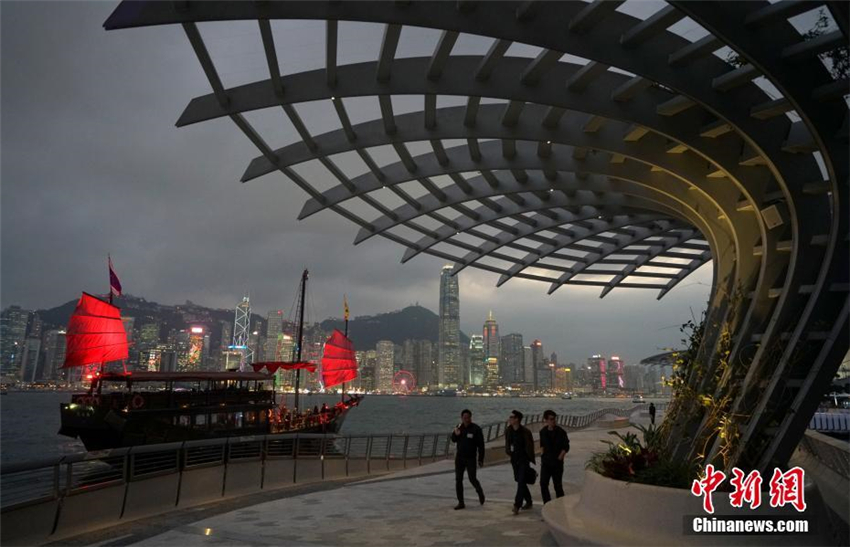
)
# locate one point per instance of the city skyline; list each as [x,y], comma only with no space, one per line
[470,325]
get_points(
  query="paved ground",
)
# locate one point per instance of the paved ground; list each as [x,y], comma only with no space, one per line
[412,507]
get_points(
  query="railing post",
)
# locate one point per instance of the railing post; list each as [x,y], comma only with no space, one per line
[295,460]
[264,449]
[56,476]
[404,452]
[69,478]
[421,445]
[389,447]
[322,455]
[434,448]
[369,456]
[489,431]
[347,453]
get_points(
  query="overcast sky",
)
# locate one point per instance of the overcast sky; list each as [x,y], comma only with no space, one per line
[92,163]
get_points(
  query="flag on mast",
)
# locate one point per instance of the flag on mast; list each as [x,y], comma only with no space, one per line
[345,303]
[114,282]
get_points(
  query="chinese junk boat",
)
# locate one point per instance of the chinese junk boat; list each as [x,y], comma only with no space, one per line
[136,408]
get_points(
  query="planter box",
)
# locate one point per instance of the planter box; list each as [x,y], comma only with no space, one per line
[611,512]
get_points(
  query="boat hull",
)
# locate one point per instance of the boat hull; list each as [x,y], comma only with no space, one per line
[104,429]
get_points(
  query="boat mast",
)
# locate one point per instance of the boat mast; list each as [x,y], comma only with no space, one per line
[342,394]
[300,336]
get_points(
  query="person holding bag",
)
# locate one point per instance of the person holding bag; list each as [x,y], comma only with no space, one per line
[519,445]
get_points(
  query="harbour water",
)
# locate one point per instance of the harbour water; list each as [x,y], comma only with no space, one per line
[29,420]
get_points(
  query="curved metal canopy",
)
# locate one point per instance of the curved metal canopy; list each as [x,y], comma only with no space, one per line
[629,164]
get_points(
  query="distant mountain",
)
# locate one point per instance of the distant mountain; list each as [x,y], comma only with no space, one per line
[169,317]
[412,322]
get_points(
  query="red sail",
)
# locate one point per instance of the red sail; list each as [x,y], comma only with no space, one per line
[95,334]
[338,362]
[272,366]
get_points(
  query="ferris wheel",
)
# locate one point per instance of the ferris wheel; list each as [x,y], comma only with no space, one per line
[404,382]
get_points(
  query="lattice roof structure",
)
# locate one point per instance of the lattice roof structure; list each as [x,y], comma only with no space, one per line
[622,155]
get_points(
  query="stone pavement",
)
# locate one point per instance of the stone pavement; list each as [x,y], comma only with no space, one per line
[412,507]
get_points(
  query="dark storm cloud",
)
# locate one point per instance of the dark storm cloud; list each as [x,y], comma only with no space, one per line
[92,163]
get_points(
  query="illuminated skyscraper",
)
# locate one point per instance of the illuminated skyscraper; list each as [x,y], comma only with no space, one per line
[528,367]
[599,370]
[492,351]
[511,363]
[367,363]
[563,379]
[417,358]
[616,373]
[29,361]
[242,331]
[476,360]
[449,333]
[54,353]
[274,328]
[13,333]
[384,365]
[540,368]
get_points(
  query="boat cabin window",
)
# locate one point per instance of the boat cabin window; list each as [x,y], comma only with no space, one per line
[219,420]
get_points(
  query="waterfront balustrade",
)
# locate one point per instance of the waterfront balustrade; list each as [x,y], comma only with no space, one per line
[50,499]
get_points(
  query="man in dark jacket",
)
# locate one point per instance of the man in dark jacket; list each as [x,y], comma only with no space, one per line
[652,413]
[519,445]
[470,441]
[555,444]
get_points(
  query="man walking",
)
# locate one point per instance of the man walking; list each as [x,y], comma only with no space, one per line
[470,440]
[555,444]
[519,444]
[652,413]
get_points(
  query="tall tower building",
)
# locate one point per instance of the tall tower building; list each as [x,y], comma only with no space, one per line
[13,333]
[476,360]
[29,361]
[418,360]
[511,363]
[492,343]
[226,334]
[449,333]
[528,367]
[242,332]
[599,367]
[540,376]
[492,351]
[274,328]
[384,357]
[54,353]
[616,373]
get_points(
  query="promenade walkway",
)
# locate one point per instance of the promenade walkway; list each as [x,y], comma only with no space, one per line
[412,507]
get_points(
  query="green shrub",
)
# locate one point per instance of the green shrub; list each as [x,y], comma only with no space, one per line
[645,463]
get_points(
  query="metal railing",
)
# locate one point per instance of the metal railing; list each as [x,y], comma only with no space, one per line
[832,422]
[265,461]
